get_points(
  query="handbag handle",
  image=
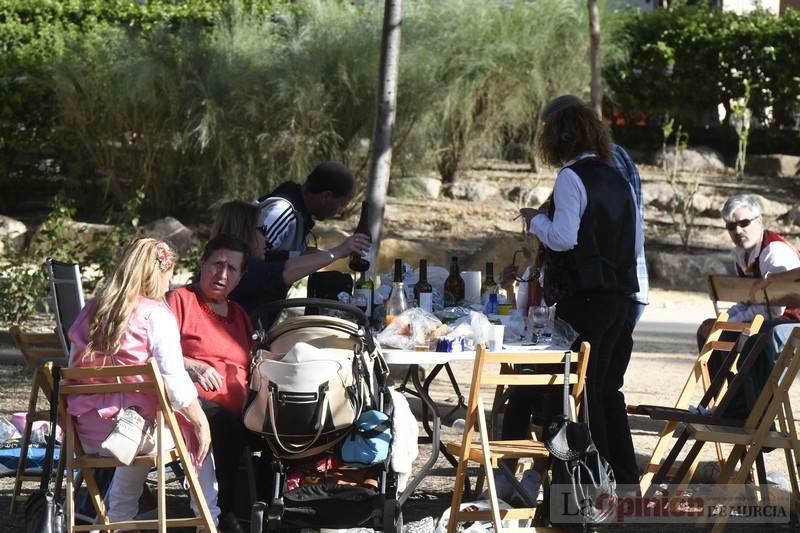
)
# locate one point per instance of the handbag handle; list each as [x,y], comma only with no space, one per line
[585,395]
[47,469]
[305,446]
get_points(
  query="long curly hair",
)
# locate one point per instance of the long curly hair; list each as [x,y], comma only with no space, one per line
[568,132]
[137,275]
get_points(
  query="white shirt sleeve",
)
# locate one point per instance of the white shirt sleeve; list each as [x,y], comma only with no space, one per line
[165,346]
[639,240]
[278,220]
[561,233]
[777,257]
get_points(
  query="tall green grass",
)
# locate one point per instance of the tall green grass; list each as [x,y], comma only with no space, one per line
[200,114]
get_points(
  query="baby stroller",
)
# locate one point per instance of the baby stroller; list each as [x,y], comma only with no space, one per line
[318,398]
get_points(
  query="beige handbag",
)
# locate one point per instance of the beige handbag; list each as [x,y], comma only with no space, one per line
[307,401]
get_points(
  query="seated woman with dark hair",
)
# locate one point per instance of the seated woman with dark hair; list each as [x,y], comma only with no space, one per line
[266,281]
[215,338]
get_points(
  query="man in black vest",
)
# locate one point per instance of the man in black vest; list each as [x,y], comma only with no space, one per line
[592,232]
[288,213]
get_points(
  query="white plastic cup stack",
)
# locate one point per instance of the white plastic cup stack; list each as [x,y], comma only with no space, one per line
[472,286]
[496,332]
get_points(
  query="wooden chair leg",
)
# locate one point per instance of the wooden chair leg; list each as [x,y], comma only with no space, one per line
[162,490]
[26,441]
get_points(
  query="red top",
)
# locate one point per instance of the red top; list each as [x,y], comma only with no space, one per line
[222,342]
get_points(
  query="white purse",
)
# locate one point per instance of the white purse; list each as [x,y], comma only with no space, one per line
[131,433]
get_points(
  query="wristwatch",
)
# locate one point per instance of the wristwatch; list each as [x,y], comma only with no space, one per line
[330,253]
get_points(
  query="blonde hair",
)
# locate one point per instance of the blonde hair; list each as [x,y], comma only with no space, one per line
[237,219]
[138,274]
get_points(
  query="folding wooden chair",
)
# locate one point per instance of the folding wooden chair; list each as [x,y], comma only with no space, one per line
[37,349]
[76,459]
[67,292]
[489,452]
[748,441]
[699,382]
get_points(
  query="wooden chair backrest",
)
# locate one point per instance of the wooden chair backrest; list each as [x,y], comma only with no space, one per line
[718,341]
[727,290]
[38,348]
[555,360]
[74,380]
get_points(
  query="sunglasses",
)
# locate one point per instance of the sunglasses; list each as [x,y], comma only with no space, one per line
[730,226]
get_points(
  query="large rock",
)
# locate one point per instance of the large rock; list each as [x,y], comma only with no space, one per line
[683,271]
[529,196]
[663,197]
[773,165]
[411,252]
[792,216]
[424,188]
[697,159]
[772,208]
[472,191]
[12,232]
[171,230]
[84,236]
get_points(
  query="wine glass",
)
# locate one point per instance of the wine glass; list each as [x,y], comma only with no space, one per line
[537,320]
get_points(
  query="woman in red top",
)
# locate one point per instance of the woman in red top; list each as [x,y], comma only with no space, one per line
[215,339]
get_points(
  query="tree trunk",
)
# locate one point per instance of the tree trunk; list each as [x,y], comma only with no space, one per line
[380,163]
[595,57]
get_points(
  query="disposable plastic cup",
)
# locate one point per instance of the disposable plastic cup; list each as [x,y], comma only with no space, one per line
[496,332]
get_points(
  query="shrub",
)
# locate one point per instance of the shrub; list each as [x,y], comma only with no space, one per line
[691,58]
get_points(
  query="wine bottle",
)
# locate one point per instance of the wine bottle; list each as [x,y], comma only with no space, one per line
[453,285]
[363,293]
[423,292]
[359,262]
[488,286]
[397,302]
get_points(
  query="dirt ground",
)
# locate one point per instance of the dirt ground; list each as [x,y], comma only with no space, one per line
[663,356]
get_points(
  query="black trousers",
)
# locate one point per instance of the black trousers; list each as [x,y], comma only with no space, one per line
[605,321]
[228,440]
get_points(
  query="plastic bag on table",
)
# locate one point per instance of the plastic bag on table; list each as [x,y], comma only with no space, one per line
[474,327]
[411,328]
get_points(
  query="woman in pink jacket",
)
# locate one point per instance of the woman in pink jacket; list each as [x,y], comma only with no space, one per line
[127,324]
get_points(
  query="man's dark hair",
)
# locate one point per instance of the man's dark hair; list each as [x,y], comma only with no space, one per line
[331,176]
[226,242]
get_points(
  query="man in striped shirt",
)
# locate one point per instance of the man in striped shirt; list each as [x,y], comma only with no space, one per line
[288,213]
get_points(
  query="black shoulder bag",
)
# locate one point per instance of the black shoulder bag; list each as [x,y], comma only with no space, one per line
[583,488]
[43,514]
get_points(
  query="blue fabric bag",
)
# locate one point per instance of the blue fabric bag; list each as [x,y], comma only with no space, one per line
[369,443]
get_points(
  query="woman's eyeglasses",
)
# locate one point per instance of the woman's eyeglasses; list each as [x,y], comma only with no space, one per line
[730,226]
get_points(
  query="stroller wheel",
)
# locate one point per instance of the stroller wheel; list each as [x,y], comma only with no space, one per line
[392,517]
